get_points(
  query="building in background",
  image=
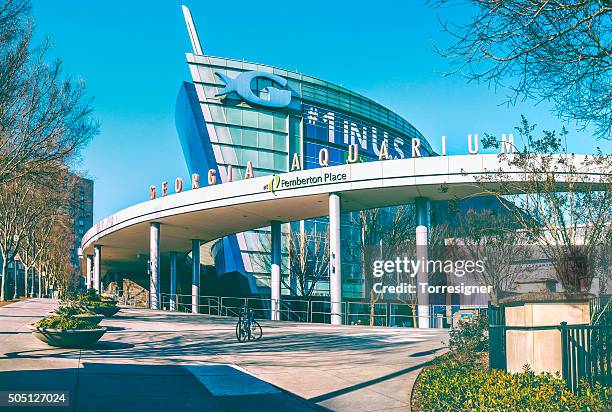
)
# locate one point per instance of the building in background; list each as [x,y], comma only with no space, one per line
[82,217]
[234,112]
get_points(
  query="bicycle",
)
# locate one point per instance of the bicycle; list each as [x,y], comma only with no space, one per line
[247,327]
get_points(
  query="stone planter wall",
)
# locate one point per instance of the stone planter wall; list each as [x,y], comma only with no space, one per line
[538,343]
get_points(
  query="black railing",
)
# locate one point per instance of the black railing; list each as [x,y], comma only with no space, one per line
[585,351]
[601,310]
[497,337]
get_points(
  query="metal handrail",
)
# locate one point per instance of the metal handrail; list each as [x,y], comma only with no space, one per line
[313,311]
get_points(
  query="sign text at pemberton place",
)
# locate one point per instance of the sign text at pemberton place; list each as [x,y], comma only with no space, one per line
[507,147]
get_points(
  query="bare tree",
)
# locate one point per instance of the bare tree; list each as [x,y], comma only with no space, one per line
[306,263]
[45,118]
[563,208]
[384,235]
[308,260]
[49,206]
[603,265]
[15,208]
[55,270]
[493,239]
[560,51]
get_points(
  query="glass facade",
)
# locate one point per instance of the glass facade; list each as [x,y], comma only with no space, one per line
[218,131]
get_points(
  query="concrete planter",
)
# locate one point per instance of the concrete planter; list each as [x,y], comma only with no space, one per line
[91,318]
[68,338]
[106,311]
[533,336]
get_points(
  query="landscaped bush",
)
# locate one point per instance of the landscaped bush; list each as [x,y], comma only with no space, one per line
[450,385]
[470,338]
[92,298]
[102,304]
[72,310]
[64,322]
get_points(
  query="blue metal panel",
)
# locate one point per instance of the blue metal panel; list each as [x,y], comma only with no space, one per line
[199,156]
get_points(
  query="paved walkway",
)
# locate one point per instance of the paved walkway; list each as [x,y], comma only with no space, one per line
[158,361]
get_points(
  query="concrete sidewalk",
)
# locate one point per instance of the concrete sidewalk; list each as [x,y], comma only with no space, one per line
[155,361]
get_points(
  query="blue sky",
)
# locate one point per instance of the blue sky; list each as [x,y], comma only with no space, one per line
[132,58]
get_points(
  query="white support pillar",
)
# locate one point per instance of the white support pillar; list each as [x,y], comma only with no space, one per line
[335,273]
[97,267]
[195,275]
[275,271]
[422,254]
[173,281]
[154,236]
[89,263]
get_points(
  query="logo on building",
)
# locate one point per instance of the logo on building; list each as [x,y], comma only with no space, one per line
[269,96]
[273,184]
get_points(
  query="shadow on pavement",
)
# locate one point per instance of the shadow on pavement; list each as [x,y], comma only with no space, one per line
[155,344]
[371,382]
[144,387]
[426,353]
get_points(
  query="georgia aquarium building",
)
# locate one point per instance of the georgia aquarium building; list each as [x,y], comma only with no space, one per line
[234,112]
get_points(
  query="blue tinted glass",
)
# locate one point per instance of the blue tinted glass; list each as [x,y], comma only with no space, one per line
[349,129]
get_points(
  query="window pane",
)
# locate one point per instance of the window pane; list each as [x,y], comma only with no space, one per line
[265,140]
[280,162]
[249,118]
[223,135]
[266,160]
[265,120]
[280,143]
[249,138]
[280,122]
[233,116]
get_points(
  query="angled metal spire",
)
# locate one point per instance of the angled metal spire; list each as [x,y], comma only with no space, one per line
[193,33]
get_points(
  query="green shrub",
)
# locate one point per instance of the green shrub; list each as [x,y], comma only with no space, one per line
[470,337]
[101,304]
[450,385]
[64,322]
[72,310]
[90,296]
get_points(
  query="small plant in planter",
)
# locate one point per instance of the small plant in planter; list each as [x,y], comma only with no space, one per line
[107,299]
[78,311]
[101,305]
[67,331]
[103,308]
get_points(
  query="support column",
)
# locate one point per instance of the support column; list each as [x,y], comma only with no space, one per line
[195,275]
[97,267]
[119,282]
[422,254]
[89,263]
[335,273]
[275,271]
[172,281]
[154,265]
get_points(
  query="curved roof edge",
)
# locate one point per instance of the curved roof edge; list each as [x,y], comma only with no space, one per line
[293,74]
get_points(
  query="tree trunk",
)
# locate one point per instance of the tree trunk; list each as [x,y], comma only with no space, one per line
[3,286]
[15,273]
[372,301]
[40,284]
[26,275]
[33,282]
[448,300]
